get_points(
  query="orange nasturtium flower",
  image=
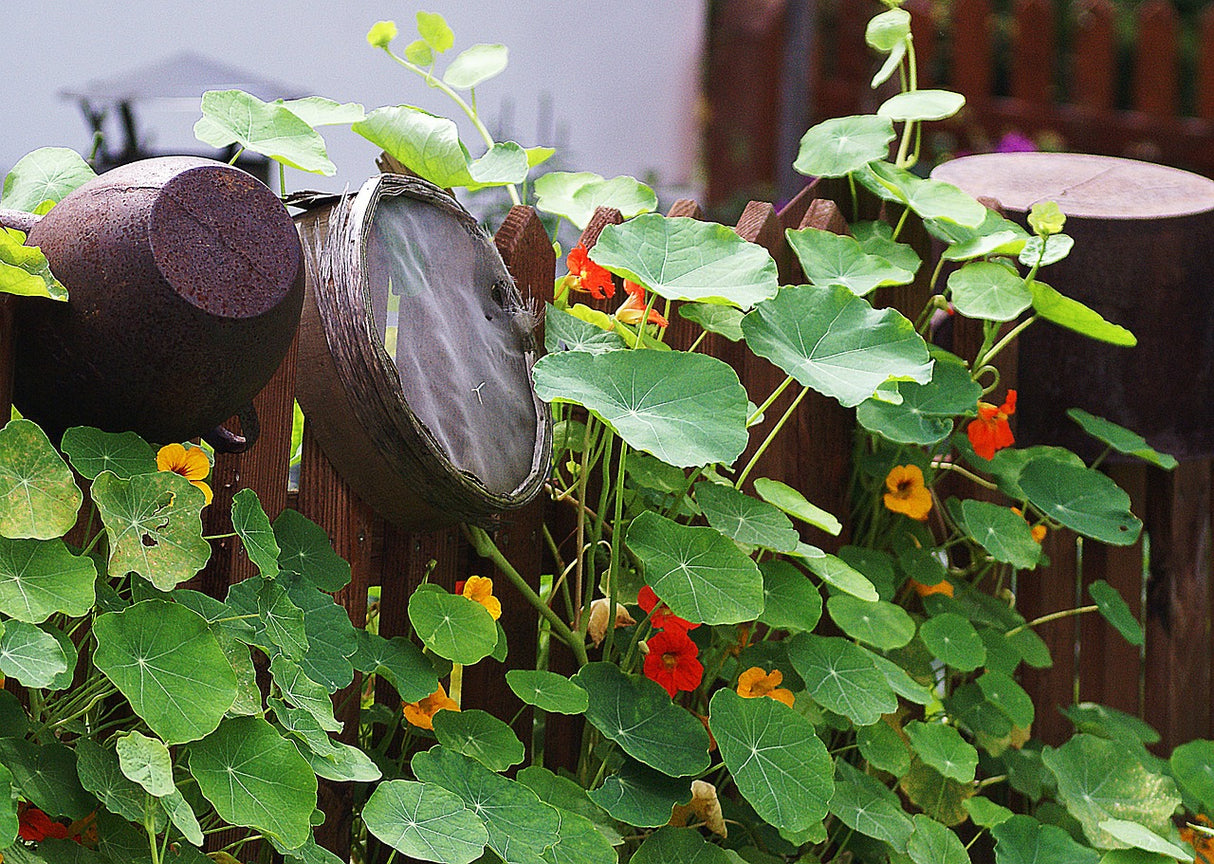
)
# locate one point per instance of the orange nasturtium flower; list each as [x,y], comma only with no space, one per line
[421,713]
[191,463]
[755,683]
[942,587]
[586,276]
[633,308]
[907,494]
[1202,843]
[1038,531]
[479,589]
[991,432]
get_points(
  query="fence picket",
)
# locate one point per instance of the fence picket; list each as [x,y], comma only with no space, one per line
[973,72]
[1033,60]
[1095,56]
[1155,79]
[1205,65]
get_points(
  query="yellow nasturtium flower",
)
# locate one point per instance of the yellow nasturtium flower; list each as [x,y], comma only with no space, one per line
[191,463]
[381,34]
[1045,218]
[907,494]
[421,713]
[755,683]
[480,590]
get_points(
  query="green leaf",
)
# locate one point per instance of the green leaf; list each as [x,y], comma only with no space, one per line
[874,622]
[24,270]
[1115,610]
[253,525]
[921,105]
[1002,533]
[425,821]
[92,451]
[1009,697]
[684,845]
[47,777]
[182,816]
[775,757]
[520,826]
[836,259]
[877,238]
[839,574]
[1108,722]
[473,66]
[235,117]
[168,664]
[504,162]
[888,29]
[680,258]
[566,332]
[480,736]
[100,773]
[452,626]
[790,600]
[9,825]
[930,199]
[283,620]
[575,195]
[686,409]
[842,677]
[32,656]
[995,236]
[547,691]
[419,52]
[569,797]
[38,497]
[986,813]
[794,504]
[1073,315]
[865,805]
[302,692]
[46,174]
[882,748]
[932,843]
[329,758]
[427,145]
[539,155]
[637,714]
[1192,765]
[255,778]
[146,761]
[1121,439]
[723,320]
[41,577]
[154,525]
[1082,499]
[331,637]
[926,411]
[940,797]
[989,291]
[943,748]
[835,342]
[837,147]
[953,640]
[700,574]
[399,661]
[1057,248]
[432,27]
[319,111]
[638,795]
[1139,837]
[304,548]
[1024,840]
[1100,779]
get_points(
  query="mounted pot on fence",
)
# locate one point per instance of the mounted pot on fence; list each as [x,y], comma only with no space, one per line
[1143,258]
[185,280]
[415,353]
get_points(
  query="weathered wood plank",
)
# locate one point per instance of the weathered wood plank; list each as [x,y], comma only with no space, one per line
[1033,59]
[1156,84]
[1095,56]
[973,72]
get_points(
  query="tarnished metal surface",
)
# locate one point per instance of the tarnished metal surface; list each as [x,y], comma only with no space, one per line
[185,279]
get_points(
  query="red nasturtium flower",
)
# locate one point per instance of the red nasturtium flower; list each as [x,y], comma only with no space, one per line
[907,493]
[633,308]
[660,616]
[586,276]
[991,432]
[672,662]
[34,826]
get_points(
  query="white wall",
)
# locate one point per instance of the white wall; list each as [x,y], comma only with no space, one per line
[621,76]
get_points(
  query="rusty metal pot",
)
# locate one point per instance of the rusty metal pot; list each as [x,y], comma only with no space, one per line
[185,279]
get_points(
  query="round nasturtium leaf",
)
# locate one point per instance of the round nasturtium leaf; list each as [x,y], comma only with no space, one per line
[31,655]
[46,174]
[1057,247]
[1135,836]
[399,661]
[877,238]
[930,199]
[686,409]
[921,105]
[1082,499]
[575,195]
[47,777]
[480,736]
[1116,611]
[475,65]
[1009,697]
[1121,439]
[637,714]
[424,821]
[38,497]
[680,258]
[696,570]
[100,774]
[744,519]
[841,145]
[253,526]
[932,843]
[995,236]
[452,626]
[547,691]
[255,778]
[835,342]
[304,548]
[723,320]
[882,747]
[837,573]
[426,144]
[790,600]
[168,664]
[638,795]
[842,677]
[943,748]
[926,411]
[93,451]
[669,844]
[953,640]
[564,331]
[877,623]
[988,291]
[775,757]
[828,258]
[866,805]
[985,812]
[1002,533]
[1192,765]
[236,117]
[146,761]
[41,577]
[1024,839]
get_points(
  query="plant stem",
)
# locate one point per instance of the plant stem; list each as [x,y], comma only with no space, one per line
[969,475]
[486,548]
[1053,616]
[613,567]
[775,394]
[580,542]
[985,359]
[754,460]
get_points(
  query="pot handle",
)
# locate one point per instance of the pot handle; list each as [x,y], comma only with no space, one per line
[17,219]
[226,441]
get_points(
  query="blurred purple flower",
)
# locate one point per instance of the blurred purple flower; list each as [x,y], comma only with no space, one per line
[1014,142]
